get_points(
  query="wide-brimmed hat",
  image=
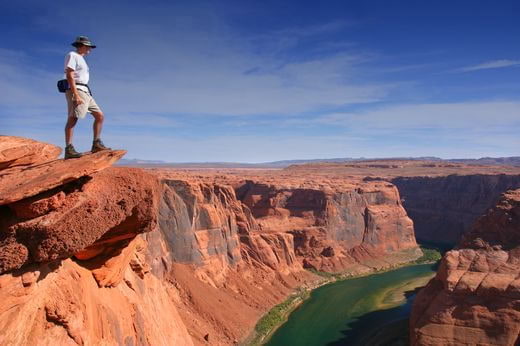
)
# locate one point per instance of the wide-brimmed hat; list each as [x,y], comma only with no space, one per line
[83,40]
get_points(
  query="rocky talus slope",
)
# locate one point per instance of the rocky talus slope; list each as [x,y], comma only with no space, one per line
[91,254]
[475,297]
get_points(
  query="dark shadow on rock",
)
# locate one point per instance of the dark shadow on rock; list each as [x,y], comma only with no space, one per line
[41,270]
[110,251]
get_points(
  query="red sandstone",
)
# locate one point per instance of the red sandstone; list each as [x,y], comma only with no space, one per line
[18,151]
[475,297]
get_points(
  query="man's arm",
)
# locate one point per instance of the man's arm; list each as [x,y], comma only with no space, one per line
[69,73]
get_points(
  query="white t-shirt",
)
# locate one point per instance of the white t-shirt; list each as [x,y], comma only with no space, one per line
[76,62]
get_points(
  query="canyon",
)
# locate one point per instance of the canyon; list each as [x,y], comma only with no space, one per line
[93,254]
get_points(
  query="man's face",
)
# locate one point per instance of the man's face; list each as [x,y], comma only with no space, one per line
[84,50]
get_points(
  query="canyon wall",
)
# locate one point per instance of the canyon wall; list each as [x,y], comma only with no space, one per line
[336,228]
[475,297]
[91,254]
[444,208]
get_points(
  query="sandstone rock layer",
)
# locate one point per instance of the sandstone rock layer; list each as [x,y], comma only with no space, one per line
[17,183]
[335,228]
[18,151]
[62,304]
[62,221]
[475,297]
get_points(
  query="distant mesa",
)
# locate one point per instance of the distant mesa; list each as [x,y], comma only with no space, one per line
[433,161]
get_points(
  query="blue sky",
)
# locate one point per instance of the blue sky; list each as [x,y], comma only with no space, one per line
[256,81]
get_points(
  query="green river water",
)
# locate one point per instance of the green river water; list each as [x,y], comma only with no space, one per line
[350,311]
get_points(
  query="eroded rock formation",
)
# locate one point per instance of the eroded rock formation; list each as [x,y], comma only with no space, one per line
[442,198]
[336,228]
[60,303]
[475,297]
[64,220]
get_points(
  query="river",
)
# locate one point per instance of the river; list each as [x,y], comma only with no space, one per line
[350,312]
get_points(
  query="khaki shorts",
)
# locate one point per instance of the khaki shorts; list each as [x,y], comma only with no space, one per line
[88,105]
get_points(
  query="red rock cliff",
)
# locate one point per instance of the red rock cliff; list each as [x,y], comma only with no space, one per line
[336,228]
[475,297]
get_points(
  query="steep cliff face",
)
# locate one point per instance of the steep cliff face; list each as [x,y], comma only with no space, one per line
[62,303]
[199,225]
[336,228]
[475,297]
[227,274]
[444,208]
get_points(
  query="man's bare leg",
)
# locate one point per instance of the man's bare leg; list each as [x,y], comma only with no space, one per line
[98,124]
[69,129]
[97,144]
[70,152]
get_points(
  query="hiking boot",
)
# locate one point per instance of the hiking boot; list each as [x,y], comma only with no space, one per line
[71,153]
[97,145]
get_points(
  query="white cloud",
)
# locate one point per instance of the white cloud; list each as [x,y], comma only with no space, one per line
[211,78]
[490,65]
[170,59]
[444,130]
[23,84]
[431,116]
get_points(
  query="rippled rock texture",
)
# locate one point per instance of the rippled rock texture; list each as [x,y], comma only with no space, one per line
[18,151]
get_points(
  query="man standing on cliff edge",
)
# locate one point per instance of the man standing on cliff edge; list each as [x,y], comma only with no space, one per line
[79,97]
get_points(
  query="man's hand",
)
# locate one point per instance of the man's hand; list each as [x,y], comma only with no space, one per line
[77,100]
[72,84]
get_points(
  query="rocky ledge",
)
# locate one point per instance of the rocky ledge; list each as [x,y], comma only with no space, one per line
[51,209]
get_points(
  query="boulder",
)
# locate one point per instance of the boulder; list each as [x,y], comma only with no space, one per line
[115,203]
